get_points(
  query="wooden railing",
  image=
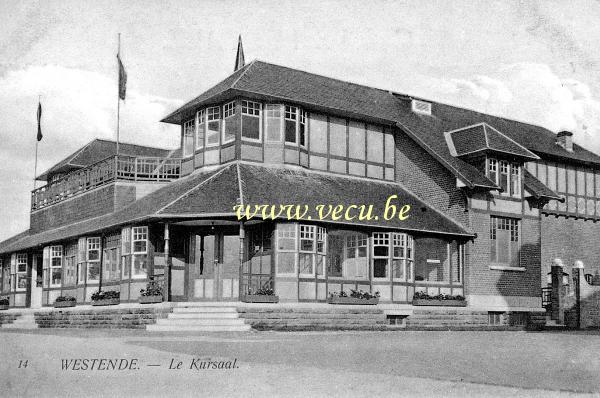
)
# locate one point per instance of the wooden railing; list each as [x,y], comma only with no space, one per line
[121,167]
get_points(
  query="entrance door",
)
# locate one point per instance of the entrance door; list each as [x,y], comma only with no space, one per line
[214,266]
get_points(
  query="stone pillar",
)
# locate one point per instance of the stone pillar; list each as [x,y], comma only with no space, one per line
[558,299]
[167,270]
[577,275]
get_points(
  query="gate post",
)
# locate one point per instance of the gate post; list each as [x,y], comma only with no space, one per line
[577,267]
[558,300]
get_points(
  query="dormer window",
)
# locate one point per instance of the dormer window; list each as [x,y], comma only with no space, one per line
[251,120]
[188,137]
[505,174]
[213,119]
[228,122]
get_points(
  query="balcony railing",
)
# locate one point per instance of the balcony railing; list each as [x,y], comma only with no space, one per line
[113,168]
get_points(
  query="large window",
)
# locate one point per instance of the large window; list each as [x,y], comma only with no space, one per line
[56,258]
[188,137]
[81,259]
[381,254]
[111,265]
[93,260]
[504,241]
[432,261]
[213,117]
[506,175]
[21,272]
[228,122]
[200,131]
[273,121]
[347,254]
[312,250]
[139,245]
[126,252]
[291,124]
[70,268]
[251,120]
[402,257]
[286,249]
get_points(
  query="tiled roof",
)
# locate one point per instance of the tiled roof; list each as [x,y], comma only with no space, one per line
[100,149]
[319,93]
[537,188]
[484,138]
[214,193]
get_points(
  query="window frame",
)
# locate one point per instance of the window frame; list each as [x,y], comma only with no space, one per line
[210,117]
[378,236]
[494,228]
[407,257]
[494,171]
[294,251]
[294,119]
[135,254]
[200,128]
[19,261]
[274,109]
[248,109]
[56,252]
[188,126]
[229,110]
[96,245]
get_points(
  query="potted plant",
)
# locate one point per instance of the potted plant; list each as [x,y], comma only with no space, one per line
[65,301]
[262,295]
[444,300]
[109,297]
[153,293]
[356,297]
[4,303]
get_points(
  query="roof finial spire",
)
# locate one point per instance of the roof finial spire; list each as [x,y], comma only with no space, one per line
[239,59]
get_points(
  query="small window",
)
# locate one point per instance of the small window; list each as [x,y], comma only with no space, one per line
[201,120]
[515,180]
[21,276]
[93,259]
[495,318]
[213,117]
[140,240]
[504,177]
[251,120]
[421,107]
[228,122]
[302,129]
[291,118]
[381,251]
[139,250]
[286,243]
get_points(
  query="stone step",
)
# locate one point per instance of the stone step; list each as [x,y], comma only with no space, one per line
[206,304]
[200,315]
[288,315]
[205,309]
[25,321]
[198,328]
[201,321]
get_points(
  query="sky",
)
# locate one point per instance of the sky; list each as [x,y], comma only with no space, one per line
[534,61]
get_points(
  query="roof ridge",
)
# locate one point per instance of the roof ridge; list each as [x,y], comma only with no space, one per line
[132,144]
[505,136]
[242,74]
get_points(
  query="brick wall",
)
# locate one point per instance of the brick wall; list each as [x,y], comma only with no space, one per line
[481,280]
[428,179]
[570,239]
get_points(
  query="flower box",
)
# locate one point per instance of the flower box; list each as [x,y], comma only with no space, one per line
[64,304]
[110,301]
[441,303]
[353,300]
[3,307]
[151,299]
[260,298]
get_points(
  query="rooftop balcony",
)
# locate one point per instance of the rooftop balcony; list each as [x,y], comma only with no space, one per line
[112,168]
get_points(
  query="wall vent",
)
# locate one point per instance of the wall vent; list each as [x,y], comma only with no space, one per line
[421,107]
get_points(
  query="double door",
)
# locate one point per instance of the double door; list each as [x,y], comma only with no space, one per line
[213,265]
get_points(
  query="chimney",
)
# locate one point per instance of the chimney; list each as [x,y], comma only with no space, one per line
[565,140]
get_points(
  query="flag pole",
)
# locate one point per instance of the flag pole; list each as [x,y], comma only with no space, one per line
[36,152]
[118,91]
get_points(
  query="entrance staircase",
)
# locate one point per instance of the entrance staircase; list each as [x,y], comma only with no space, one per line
[201,317]
[25,321]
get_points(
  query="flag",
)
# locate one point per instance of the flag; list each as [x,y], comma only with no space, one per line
[239,59]
[39,117]
[122,79]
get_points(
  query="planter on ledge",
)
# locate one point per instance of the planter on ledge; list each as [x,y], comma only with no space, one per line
[353,301]
[64,304]
[440,303]
[3,307]
[112,301]
[260,298]
[151,299]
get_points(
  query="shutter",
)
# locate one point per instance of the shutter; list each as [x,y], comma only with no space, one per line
[13,263]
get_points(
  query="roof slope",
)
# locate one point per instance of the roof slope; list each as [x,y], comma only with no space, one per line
[100,149]
[214,193]
[538,189]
